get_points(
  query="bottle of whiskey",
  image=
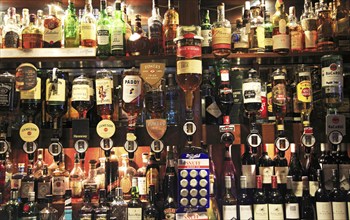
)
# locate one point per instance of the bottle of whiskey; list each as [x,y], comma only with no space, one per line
[32,36]
[150,211]
[118,41]
[119,206]
[76,178]
[30,100]
[104,93]
[49,212]
[27,184]
[16,179]
[206,33]
[30,208]
[221,34]
[152,173]
[341,32]
[155,30]
[7,91]
[88,27]
[268,42]
[170,24]
[126,173]
[138,43]
[296,32]
[81,98]
[11,31]
[325,30]
[103,32]
[71,27]
[43,186]
[141,176]
[90,183]
[134,205]
[87,211]
[280,35]
[12,207]
[257,30]
[60,180]
[102,210]
[309,25]
[52,29]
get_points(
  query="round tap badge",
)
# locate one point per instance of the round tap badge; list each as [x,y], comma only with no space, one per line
[29,132]
[105,128]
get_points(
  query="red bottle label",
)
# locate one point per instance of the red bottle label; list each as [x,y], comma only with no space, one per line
[189,51]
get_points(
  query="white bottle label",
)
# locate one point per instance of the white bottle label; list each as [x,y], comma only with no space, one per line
[249,171]
[324,210]
[26,187]
[214,110]
[266,173]
[80,93]
[313,187]
[221,38]
[292,210]
[141,182]
[327,170]
[134,213]
[282,25]
[206,34]
[54,94]
[58,185]
[281,173]
[261,212]
[189,66]
[117,39]
[344,176]
[332,75]
[229,212]
[88,31]
[132,88]
[251,92]
[339,210]
[245,212]
[102,35]
[297,188]
[310,39]
[276,211]
[34,93]
[53,35]
[104,91]
[281,41]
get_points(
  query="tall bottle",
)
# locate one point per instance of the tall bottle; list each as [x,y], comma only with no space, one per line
[171,96]
[16,179]
[76,178]
[135,205]
[111,175]
[341,32]
[71,27]
[152,172]
[52,29]
[103,32]
[155,30]
[328,164]
[296,171]
[275,201]
[245,201]
[311,168]
[304,94]
[344,166]
[309,25]
[281,171]
[221,34]
[170,202]
[229,202]
[206,33]
[88,26]
[265,168]
[280,35]
[296,32]
[118,42]
[260,207]
[169,170]
[225,93]
[170,24]
[104,93]
[32,35]
[268,42]
[102,211]
[213,210]
[323,203]
[11,31]
[291,201]
[325,30]
[249,169]
[257,30]
[60,180]
[279,97]
[210,109]
[338,198]
[307,209]
[150,211]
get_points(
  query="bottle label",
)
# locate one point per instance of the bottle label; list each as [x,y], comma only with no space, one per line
[16,183]
[34,93]
[268,41]
[85,217]
[102,35]
[11,40]
[93,187]
[245,212]
[132,88]
[281,41]
[310,39]
[56,92]
[207,35]
[292,210]
[224,75]
[68,213]
[221,38]
[117,39]
[251,92]
[332,75]
[101,217]
[261,212]
[189,52]
[281,173]
[297,188]
[77,187]
[266,173]
[58,185]
[324,210]
[125,184]
[134,213]
[249,171]
[276,211]
[156,30]
[81,93]
[282,26]
[29,218]
[53,35]
[26,187]
[339,210]
[260,35]
[214,110]
[348,208]
[296,40]
[327,170]
[304,92]
[344,176]
[103,91]
[169,213]
[313,187]
[32,40]
[229,212]
[88,31]
[152,176]
[141,182]
[279,97]
[5,94]
[189,67]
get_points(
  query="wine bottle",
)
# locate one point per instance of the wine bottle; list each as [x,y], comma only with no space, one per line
[311,168]
[151,211]
[338,198]
[229,203]
[249,169]
[307,209]
[344,167]
[229,170]
[328,164]
[265,168]
[281,171]
[323,203]
[260,201]
[291,201]
[245,201]
[275,201]
[296,171]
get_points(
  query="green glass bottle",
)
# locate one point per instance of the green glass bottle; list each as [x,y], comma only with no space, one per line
[118,43]
[71,27]
[206,33]
[103,32]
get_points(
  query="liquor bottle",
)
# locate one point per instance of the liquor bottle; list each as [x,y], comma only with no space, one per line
[152,173]
[296,32]
[150,211]
[8,176]
[268,42]
[344,167]
[210,109]
[170,202]
[229,201]
[16,179]
[12,207]
[30,208]
[87,211]
[52,29]
[296,171]
[281,171]
[341,32]
[30,100]
[126,173]
[307,209]
[27,184]
[170,24]
[111,175]
[49,212]
[88,27]
[68,208]
[328,164]
[304,94]
[60,180]
[43,186]
[11,31]
[134,205]
[275,201]
[169,170]
[309,25]
[155,30]
[24,21]
[8,91]
[242,46]
[104,93]
[245,201]
[118,206]
[32,36]
[81,98]
[138,43]
[171,95]
[118,42]
[40,19]
[338,198]
[260,208]
[251,89]
[155,99]
[311,168]
[76,177]
[265,168]
[325,30]
[323,203]
[90,182]
[257,30]
[221,34]
[101,173]
[71,27]
[249,169]
[291,201]
[225,95]
[279,97]
[102,210]
[103,32]
[280,35]
[206,33]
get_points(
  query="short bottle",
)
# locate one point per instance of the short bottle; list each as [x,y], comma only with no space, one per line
[87,211]
[12,207]
[30,208]
[49,212]
[32,36]
[138,44]
[102,210]
[43,186]
[11,31]
[90,183]
[52,29]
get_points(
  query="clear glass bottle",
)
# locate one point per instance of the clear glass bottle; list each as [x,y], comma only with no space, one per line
[213,210]
[155,30]
[76,178]
[152,172]
[60,180]
[309,25]
[103,32]
[210,109]
[221,34]
[126,174]
[11,31]
[52,29]
[280,35]
[296,32]
[90,183]
[39,164]
[138,44]
[119,206]
[118,41]
[71,27]
[49,212]
[304,94]
[325,29]
[170,24]
[32,36]
[257,30]
[88,26]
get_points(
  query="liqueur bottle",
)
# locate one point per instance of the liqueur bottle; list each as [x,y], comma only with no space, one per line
[260,208]
[170,202]
[170,24]
[134,205]
[11,31]
[103,32]
[104,93]
[32,36]
[88,27]
[71,27]
[126,173]
[155,30]
[225,95]
[118,42]
[52,29]
[251,89]
[169,170]
[221,34]
[280,35]
[81,97]
[206,33]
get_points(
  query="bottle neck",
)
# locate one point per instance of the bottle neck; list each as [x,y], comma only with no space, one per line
[103,7]
[221,14]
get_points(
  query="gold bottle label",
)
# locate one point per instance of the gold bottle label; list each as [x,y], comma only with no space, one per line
[304,91]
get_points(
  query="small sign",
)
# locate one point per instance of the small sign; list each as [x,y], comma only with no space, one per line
[156,128]
[106,144]
[335,123]
[130,146]
[80,129]
[152,73]
[105,128]
[254,140]
[189,128]
[227,128]
[282,143]
[81,146]
[29,132]
[157,146]
[55,148]
[30,147]
[26,76]
[4,146]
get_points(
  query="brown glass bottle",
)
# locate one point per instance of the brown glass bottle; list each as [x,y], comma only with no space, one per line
[104,93]
[138,43]
[152,173]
